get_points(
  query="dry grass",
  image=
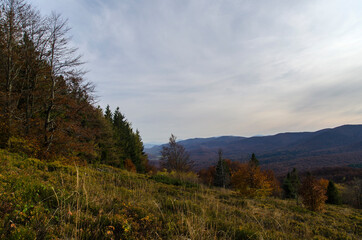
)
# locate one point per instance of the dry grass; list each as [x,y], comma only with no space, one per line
[48,200]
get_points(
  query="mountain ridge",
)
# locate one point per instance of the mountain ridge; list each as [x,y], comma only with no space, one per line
[339,146]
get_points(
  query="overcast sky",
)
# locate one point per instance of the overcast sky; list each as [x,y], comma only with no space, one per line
[205,68]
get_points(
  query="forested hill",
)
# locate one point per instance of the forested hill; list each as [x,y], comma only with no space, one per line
[340,146]
[47,108]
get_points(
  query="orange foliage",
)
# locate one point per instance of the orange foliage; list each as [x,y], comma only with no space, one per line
[324,183]
[313,192]
[207,175]
[252,181]
[128,164]
[274,183]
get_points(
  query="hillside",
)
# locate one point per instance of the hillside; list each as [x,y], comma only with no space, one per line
[40,200]
[339,146]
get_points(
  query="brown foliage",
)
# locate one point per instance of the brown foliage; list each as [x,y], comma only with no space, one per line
[313,193]
[324,183]
[274,183]
[251,181]
[207,175]
[128,164]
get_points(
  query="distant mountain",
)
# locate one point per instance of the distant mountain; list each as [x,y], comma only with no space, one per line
[339,146]
[150,145]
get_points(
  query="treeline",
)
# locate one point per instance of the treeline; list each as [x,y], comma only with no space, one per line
[246,178]
[46,106]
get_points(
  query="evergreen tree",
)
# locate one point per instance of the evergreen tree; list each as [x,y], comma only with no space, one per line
[333,194]
[138,155]
[106,141]
[291,184]
[108,114]
[254,162]
[222,174]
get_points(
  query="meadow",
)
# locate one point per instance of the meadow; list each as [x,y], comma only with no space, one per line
[51,200]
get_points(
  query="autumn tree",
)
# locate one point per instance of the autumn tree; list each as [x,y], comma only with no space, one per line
[63,66]
[175,157]
[46,106]
[207,175]
[13,14]
[352,194]
[274,183]
[313,193]
[128,164]
[251,181]
[44,95]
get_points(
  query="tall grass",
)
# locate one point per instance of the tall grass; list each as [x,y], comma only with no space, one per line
[49,200]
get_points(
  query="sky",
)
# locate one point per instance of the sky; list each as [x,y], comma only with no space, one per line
[204,68]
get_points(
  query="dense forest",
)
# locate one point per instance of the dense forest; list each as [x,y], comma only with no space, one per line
[47,107]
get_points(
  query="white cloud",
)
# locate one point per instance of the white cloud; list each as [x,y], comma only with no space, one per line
[207,68]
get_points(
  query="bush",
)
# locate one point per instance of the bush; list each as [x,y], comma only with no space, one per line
[313,193]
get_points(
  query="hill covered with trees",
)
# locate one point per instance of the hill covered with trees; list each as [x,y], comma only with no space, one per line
[47,108]
[335,147]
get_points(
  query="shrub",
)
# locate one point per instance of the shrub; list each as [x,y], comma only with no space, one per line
[313,193]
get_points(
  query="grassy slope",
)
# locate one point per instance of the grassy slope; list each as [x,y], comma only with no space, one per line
[48,200]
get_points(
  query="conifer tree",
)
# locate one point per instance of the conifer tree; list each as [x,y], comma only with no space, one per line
[129,144]
[254,162]
[108,114]
[222,174]
[333,196]
[291,184]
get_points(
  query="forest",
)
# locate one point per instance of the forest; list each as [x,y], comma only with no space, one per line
[47,107]
[71,170]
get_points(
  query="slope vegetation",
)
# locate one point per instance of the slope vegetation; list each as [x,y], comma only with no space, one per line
[40,200]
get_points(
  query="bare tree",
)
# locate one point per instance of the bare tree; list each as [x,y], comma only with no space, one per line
[175,157]
[63,63]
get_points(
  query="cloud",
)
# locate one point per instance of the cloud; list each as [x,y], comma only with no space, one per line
[206,68]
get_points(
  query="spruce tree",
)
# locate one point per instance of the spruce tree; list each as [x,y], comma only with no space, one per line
[128,143]
[254,162]
[291,184]
[333,194]
[108,114]
[222,175]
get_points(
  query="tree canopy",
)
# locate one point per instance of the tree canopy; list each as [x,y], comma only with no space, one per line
[46,105]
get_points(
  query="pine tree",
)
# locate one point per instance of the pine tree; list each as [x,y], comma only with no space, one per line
[108,114]
[129,143]
[222,174]
[254,162]
[291,184]
[333,194]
